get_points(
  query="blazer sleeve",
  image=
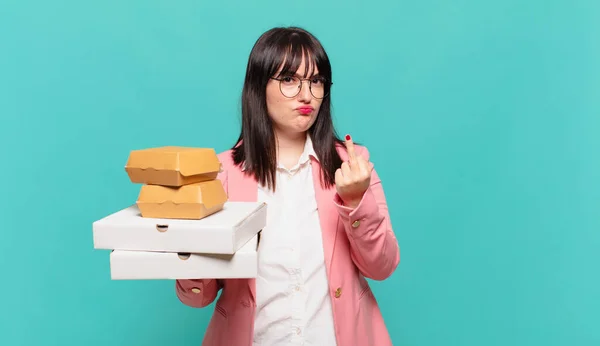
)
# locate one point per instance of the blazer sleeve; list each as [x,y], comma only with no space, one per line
[199,293]
[373,245]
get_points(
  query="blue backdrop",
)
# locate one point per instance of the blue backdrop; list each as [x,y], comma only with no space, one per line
[482,118]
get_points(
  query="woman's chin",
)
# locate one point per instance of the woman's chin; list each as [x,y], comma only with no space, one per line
[303,124]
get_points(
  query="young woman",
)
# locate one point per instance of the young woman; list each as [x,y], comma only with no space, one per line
[328,224]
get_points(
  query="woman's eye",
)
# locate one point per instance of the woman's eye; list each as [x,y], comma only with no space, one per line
[317,81]
[288,79]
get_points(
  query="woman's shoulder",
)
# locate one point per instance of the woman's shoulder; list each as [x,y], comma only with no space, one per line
[226,158]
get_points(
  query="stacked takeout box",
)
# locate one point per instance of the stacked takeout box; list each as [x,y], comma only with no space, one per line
[182,225]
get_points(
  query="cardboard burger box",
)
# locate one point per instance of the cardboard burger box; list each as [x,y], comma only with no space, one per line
[172,165]
[193,201]
[142,265]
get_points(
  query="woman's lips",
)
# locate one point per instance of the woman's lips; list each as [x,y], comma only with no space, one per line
[305,110]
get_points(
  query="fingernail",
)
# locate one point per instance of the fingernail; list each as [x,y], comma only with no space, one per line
[347,137]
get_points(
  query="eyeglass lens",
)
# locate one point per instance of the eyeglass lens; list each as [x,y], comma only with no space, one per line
[291,86]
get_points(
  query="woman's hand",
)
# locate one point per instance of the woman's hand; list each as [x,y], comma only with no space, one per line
[353,178]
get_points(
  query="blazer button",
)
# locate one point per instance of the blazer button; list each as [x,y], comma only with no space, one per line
[196,290]
[356,224]
[338,292]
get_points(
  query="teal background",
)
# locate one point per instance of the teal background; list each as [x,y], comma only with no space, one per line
[482,118]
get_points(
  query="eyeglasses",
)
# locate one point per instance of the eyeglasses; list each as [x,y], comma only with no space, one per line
[290,86]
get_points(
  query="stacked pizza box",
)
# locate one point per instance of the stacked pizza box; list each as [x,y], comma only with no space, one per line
[182,225]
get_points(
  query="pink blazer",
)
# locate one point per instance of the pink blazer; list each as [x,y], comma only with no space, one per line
[357,243]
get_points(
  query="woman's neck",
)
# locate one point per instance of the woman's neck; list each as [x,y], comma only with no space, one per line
[289,148]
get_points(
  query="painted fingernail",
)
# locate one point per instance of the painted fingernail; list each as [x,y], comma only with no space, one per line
[347,137]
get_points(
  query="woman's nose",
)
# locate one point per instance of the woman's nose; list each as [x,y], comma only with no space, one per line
[304,94]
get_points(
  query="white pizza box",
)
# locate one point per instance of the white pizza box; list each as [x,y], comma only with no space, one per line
[145,265]
[223,232]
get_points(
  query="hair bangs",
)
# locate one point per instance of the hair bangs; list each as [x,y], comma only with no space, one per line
[293,52]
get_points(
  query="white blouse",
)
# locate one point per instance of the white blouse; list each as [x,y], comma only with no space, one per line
[294,307]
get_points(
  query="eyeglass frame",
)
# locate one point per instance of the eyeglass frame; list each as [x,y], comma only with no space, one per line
[325,81]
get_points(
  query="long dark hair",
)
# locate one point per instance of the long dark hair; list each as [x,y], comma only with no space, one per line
[255,149]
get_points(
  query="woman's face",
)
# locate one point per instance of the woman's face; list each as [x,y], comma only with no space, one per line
[293,116]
